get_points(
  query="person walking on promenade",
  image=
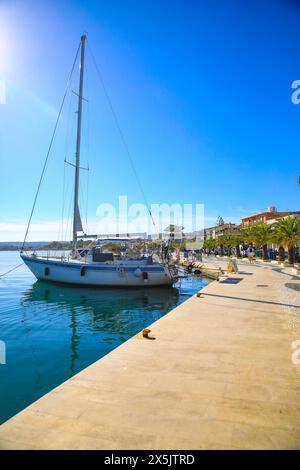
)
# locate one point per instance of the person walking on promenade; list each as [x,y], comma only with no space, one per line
[250,254]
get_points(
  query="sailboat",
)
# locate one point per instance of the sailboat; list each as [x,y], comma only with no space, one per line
[94,266]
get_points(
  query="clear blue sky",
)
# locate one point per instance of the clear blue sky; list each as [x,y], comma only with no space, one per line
[202,90]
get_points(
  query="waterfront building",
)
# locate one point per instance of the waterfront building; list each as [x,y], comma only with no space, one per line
[219,230]
[174,233]
[269,216]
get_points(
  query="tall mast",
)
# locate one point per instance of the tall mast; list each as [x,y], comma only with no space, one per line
[76,214]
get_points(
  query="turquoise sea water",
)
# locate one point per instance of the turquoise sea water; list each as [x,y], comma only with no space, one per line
[52,332]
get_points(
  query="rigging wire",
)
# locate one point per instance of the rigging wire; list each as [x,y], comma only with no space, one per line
[69,217]
[66,182]
[69,126]
[121,133]
[63,203]
[87,150]
[50,147]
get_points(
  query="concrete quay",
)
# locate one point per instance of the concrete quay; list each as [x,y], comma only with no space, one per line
[217,374]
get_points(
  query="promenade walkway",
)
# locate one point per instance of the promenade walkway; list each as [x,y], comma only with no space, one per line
[218,375]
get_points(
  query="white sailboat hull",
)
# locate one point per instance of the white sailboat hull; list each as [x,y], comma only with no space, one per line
[99,274]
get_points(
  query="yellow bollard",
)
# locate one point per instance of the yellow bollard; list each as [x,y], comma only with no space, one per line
[230,267]
[146,332]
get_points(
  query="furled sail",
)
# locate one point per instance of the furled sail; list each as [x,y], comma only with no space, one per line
[78,223]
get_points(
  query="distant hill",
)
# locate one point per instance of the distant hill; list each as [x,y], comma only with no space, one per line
[21,243]
[14,246]
[6,247]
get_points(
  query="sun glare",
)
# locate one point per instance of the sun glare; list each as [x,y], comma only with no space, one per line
[3,51]
[9,34]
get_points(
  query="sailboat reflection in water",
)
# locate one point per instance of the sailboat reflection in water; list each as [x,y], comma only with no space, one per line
[112,319]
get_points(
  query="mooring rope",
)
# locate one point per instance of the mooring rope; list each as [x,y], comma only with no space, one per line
[7,272]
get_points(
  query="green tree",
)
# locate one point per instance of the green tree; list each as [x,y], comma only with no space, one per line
[220,221]
[180,245]
[237,240]
[228,242]
[262,235]
[220,244]
[288,231]
[248,234]
[210,244]
[278,239]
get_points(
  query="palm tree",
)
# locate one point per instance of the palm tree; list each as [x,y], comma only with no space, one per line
[278,239]
[288,230]
[262,235]
[248,234]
